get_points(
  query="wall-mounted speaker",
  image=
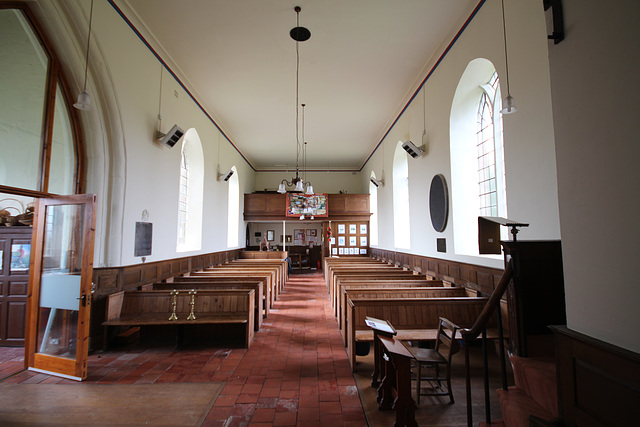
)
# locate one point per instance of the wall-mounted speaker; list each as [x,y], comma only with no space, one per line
[225,176]
[413,150]
[376,182]
[171,138]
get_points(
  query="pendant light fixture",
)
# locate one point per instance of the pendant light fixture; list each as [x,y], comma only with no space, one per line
[508,104]
[84,100]
[299,34]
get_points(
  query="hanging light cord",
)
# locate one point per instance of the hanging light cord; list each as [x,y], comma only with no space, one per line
[86,65]
[506,58]
[304,152]
[297,93]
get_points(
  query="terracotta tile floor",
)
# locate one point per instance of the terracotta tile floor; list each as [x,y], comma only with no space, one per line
[295,373]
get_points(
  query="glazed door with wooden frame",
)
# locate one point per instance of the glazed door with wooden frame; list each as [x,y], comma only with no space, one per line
[61,268]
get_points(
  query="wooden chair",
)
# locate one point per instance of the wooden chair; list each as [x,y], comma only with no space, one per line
[433,359]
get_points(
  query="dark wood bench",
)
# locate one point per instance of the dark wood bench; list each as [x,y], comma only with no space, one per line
[373,281]
[281,264]
[393,273]
[392,292]
[267,277]
[155,307]
[415,319]
[263,254]
[185,285]
[277,270]
[330,262]
[231,279]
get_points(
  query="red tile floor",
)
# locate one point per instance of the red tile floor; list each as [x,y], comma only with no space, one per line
[295,372]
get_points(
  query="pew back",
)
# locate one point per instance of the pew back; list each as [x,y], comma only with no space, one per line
[413,318]
[154,307]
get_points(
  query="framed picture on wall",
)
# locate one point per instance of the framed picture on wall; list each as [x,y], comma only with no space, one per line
[271,235]
[363,251]
[353,241]
[363,241]
[363,228]
[299,235]
[341,229]
[353,228]
[341,241]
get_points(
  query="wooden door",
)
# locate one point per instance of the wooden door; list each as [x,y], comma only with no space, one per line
[15,247]
[59,303]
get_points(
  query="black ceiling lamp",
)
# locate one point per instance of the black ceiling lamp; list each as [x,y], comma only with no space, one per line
[299,34]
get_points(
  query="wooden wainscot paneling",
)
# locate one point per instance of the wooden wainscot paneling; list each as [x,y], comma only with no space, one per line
[598,383]
[478,278]
[349,207]
[105,281]
[260,206]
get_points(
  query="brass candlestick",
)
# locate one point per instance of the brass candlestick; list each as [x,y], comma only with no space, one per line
[192,304]
[174,305]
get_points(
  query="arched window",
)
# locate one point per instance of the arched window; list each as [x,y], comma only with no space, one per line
[190,193]
[233,215]
[38,134]
[373,206]
[477,159]
[491,189]
[401,218]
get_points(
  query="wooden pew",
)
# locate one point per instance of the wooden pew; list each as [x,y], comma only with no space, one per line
[415,319]
[143,308]
[330,262]
[278,278]
[392,292]
[267,277]
[382,281]
[356,268]
[263,254]
[281,264]
[392,273]
[183,285]
[230,279]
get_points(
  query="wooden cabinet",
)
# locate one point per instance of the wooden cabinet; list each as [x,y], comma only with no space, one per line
[535,296]
[15,249]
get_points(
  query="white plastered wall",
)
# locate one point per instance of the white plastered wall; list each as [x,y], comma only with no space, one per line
[595,87]
[529,142]
[128,171]
[323,182]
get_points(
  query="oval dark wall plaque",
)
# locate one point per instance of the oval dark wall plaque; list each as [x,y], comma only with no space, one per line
[439,203]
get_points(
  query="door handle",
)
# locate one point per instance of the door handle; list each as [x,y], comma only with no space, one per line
[83,298]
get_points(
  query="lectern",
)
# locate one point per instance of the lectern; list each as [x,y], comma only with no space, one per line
[397,382]
[380,328]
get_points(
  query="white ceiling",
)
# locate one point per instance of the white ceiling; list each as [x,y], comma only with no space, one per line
[364,60]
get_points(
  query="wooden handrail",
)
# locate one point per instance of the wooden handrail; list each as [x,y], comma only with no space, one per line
[479,327]
[470,334]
